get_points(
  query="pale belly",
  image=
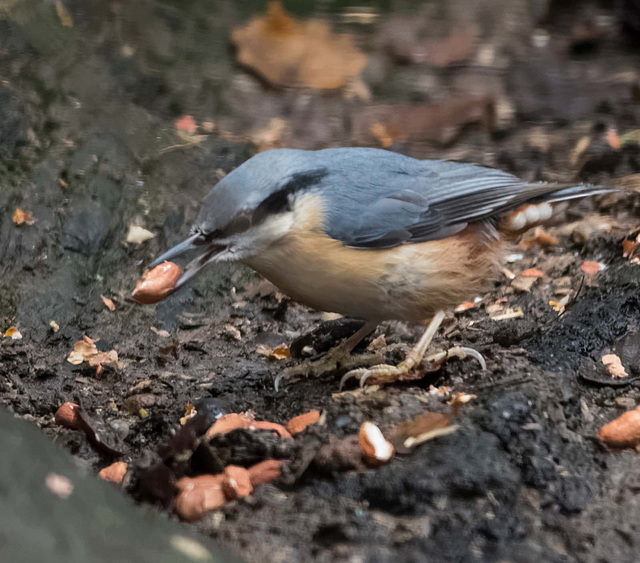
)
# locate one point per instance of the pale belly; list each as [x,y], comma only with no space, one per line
[409,282]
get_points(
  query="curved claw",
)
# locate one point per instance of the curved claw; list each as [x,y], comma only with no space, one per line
[357,373]
[462,352]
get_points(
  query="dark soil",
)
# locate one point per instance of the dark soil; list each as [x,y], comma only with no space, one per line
[88,145]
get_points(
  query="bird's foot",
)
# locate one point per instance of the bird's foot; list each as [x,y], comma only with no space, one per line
[334,359]
[385,373]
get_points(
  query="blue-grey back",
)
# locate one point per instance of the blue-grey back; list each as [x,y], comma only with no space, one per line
[372,197]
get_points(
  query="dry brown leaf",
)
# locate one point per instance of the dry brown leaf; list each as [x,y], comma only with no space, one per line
[614,365]
[280,352]
[108,303]
[295,54]
[538,237]
[63,14]
[23,217]
[440,123]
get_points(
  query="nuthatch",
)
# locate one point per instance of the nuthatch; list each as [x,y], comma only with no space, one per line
[370,234]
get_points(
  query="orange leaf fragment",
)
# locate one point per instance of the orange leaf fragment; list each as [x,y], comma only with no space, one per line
[187,124]
[23,217]
[108,303]
[298,423]
[295,54]
[532,273]
[590,267]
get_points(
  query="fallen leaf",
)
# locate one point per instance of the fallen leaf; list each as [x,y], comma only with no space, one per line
[23,217]
[614,365]
[288,53]
[63,14]
[590,267]
[560,306]
[280,352]
[538,237]
[59,485]
[187,124]
[138,235]
[13,333]
[440,123]
[109,304]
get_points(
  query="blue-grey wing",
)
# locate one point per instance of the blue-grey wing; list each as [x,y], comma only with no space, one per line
[378,205]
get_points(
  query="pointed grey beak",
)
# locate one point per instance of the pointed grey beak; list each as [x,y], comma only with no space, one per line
[184,246]
[208,251]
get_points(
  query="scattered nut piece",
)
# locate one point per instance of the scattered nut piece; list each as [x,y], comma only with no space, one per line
[13,333]
[199,495]
[237,482]
[623,432]
[374,447]
[138,235]
[114,473]
[227,423]
[614,365]
[67,416]
[265,471]
[298,423]
[157,284]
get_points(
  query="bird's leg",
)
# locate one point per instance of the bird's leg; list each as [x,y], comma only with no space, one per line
[388,373]
[339,356]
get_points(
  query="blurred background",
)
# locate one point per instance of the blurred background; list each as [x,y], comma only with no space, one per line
[117,117]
